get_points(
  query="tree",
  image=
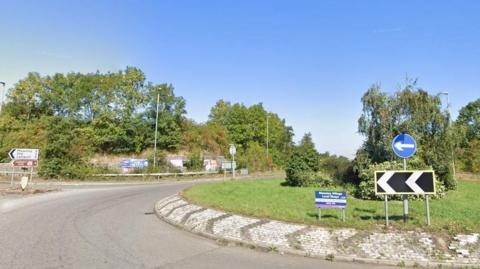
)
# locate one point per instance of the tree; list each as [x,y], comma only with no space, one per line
[467,127]
[469,116]
[410,110]
[170,117]
[247,126]
[302,168]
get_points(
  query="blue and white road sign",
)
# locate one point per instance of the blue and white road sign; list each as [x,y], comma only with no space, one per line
[404,146]
[330,199]
[133,163]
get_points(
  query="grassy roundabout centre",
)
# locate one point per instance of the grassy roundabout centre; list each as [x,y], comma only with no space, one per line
[458,212]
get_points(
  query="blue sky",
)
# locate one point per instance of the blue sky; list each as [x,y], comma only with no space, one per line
[308,61]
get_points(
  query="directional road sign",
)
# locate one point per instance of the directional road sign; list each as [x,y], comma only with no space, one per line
[23,154]
[233,149]
[404,146]
[404,182]
[24,163]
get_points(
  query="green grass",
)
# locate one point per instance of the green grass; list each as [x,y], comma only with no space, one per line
[458,212]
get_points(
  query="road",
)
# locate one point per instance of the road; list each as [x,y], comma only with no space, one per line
[113,227]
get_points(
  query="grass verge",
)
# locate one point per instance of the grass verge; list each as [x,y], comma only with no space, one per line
[458,212]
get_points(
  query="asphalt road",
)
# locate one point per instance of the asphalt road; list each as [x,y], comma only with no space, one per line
[113,227]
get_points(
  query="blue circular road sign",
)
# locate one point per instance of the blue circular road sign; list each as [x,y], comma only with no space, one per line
[404,146]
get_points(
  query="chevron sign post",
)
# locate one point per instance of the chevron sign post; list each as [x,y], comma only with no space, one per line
[404,182]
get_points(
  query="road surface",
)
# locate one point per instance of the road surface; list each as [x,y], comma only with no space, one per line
[113,227]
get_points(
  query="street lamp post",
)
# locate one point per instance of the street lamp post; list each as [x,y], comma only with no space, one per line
[449,125]
[2,93]
[156,128]
[268,116]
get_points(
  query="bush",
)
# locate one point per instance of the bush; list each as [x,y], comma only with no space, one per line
[62,155]
[194,162]
[302,170]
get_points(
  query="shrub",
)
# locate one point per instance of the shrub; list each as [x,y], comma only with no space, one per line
[302,172]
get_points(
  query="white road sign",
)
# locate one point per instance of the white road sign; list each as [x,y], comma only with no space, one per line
[23,154]
[233,149]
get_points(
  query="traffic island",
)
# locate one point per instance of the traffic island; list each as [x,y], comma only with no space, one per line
[404,248]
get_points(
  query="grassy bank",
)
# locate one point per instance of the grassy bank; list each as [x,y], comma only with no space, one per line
[458,212]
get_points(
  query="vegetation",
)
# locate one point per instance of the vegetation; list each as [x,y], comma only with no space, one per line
[414,111]
[468,151]
[459,211]
[72,117]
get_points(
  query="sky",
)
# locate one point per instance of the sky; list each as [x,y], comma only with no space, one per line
[308,61]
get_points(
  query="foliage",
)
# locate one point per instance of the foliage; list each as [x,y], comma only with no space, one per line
[248,126]
[210,138]
[458,212]
[338,167]
[468,151]
[194,162]
[414,111]
[469,116]
[63,152]
[254,158]
[303,165]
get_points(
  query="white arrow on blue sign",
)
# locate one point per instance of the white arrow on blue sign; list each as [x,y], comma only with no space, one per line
[404,146]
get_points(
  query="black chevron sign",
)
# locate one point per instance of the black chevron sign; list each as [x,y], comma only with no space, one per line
[404,182]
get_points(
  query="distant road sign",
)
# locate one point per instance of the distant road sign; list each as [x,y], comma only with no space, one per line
[134,163]
[404,182]
[233,149]
[23,154]
[227,165]
[330,199]
[24,163]
[404,146]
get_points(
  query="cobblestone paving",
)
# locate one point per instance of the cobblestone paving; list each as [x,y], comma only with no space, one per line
[274,233]
[316,241]
[198,222]
[231,227]
[319,241]
[177,215]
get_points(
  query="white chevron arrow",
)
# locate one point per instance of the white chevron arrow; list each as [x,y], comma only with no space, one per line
[382,182]
[411,182]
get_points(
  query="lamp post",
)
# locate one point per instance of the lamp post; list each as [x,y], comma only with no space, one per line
[449,125]
[2,93]
[156,128]
[268,116]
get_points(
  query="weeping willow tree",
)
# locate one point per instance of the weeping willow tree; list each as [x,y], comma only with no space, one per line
[411,110]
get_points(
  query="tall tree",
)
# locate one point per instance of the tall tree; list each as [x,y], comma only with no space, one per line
[410,110]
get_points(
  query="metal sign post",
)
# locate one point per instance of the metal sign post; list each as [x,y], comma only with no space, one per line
[386,210]
[427,205]
[233,151]
[405,197]
[330,199]
[404,146]
[405,183]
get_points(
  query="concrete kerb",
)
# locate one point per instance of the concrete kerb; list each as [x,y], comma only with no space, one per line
[291,251]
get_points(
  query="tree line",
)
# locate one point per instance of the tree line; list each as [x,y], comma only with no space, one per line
[74,117]
[71,117]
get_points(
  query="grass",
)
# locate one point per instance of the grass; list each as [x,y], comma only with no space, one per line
[458,212]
